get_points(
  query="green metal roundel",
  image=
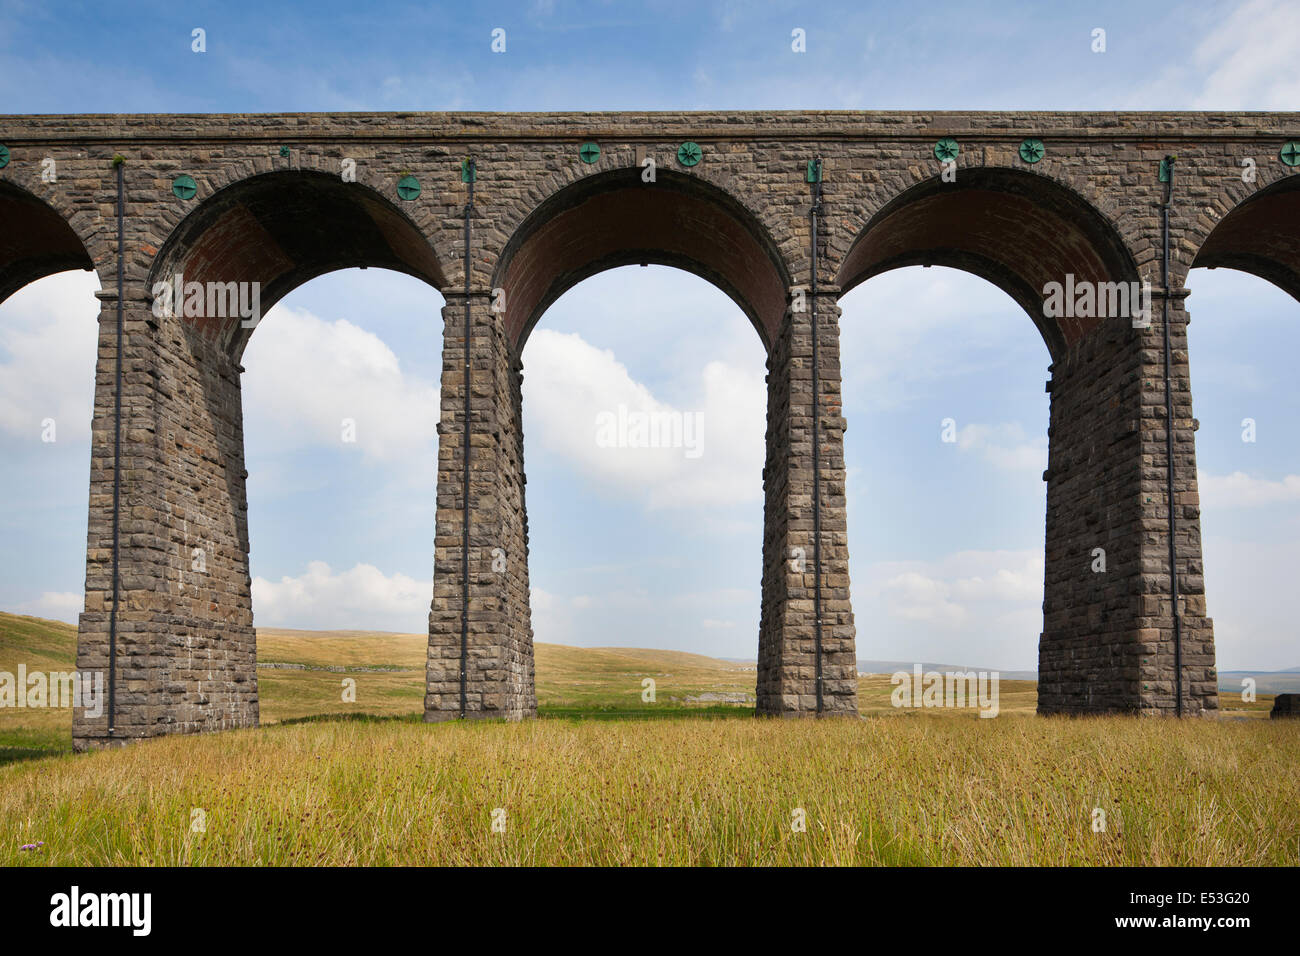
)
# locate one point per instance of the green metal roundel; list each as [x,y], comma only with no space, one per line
[1290,153]
[408,188]
[688,154]
[4,156]
[284,151]
[946,150]
[184,187]
[1032,150]
[589,152]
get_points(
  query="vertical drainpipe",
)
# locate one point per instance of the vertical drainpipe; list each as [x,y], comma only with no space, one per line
[816,429]
[464,537]
[117,455]
[1169,446]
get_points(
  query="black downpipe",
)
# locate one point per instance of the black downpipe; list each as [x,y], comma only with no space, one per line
[117,455]
[464,537]
[1169,448]
[816,434]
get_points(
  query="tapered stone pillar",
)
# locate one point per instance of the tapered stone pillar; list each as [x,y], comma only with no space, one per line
[1107,641]
[184,656]
[498,657]
[787,652]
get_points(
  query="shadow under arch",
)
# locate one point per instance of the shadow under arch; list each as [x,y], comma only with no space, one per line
[614,219]
[284,228]
[35,241]
[1017,229]
[1260,236]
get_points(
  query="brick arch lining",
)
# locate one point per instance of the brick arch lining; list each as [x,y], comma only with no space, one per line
[35,241]
[614,219]
[1260,236]
[1017,230]
[284,228]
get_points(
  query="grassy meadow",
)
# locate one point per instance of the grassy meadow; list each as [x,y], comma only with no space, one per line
[592,781]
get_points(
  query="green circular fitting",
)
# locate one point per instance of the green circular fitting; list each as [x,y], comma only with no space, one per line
[1290,153]
[688,154]
[1032,150]
[408,188]
[946,150]
[4,156]
[184,187]
[284,151]
[589,152]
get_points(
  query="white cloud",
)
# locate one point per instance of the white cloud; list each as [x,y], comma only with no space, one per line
[1248,588]
[1023,583]
[48,343]
[889,364]
[978,607]
[1239,490]
[362,598]
[913,596]
[1243,61]
[568,383]
[552,617]
[1004,446]
[1248,60]
[306,375]
[56,605]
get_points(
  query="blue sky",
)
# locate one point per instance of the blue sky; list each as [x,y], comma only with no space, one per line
[946,539]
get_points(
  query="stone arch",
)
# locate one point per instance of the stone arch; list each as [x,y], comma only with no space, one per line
[1259,235]
[1017,229]
[1021,230]
[612,218]
[284,228]
[37,240]
[183,440]
[480,636]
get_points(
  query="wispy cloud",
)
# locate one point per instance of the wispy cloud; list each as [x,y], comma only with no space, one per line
[308,377]
[1240,490]
[363,598]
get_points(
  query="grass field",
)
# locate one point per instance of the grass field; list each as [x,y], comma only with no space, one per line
[321,783]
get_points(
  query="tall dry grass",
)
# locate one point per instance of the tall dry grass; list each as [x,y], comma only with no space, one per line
[891,790]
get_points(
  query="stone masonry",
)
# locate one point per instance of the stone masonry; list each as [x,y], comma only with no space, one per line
[272,202]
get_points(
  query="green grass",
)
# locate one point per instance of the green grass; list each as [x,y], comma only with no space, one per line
[606,778]
[45,646]
[925,790]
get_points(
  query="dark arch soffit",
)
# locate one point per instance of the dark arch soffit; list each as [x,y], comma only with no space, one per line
[1260,235]
[35,241]
[1016,229]
[285,228]
[614,219]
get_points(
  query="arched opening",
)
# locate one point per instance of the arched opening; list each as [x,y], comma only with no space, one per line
[49,332]
[281,229]
[958,550]
[657,348]
[945,452]
[1259,236]
[1240,350]
[340,411]
[260,239]
[1016,229]
[36,241]
[643,405]
[615,219]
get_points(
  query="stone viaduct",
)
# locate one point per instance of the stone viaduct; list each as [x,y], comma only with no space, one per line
[504,212]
